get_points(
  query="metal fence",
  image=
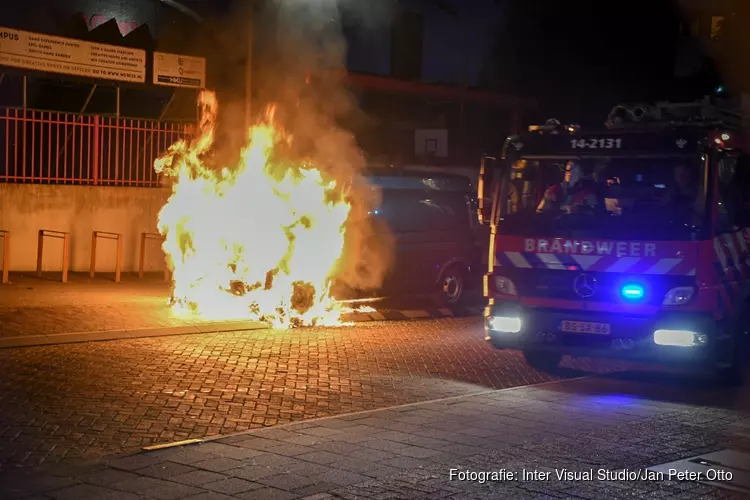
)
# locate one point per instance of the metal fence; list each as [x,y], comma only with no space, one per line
[47,147]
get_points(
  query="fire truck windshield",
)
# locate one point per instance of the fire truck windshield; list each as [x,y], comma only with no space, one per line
[603,198]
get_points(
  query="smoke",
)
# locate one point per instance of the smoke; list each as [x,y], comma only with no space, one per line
[299,66]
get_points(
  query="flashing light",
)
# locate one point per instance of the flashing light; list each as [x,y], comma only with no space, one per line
[679,338]
[725,137]
[720,89]
[505,324]
[632,291]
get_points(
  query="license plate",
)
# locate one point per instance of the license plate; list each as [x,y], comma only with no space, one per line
[585,327]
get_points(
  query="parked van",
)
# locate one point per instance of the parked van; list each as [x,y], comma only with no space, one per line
[431,218]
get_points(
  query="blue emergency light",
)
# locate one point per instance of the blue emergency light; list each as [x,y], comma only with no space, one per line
[632,291]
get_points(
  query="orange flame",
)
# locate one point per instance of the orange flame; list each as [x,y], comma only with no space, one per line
[258,241]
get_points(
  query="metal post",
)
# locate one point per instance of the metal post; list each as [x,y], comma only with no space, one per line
[166,107]
[87,101]
[118,264]
[25,81]
[66,257]
[117,102]
[95,152]
[39,254]
[6,255]
[92,267]
[141,262]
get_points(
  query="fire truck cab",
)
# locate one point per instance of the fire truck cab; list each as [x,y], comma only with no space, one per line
[632,242]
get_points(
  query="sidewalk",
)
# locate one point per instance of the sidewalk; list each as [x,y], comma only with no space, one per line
[408,452]
[38,311]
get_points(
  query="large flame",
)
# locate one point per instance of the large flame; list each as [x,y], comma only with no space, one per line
[261,240]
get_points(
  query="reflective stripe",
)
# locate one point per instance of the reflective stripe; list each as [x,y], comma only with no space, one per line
[586,261]
[623,264]
[663,266]
[517,259]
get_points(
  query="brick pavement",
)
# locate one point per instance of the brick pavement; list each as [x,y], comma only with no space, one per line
[33,308]
[605,423]
[77,401]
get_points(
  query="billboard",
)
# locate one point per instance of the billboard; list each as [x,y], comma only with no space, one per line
[176,70]
[54,54]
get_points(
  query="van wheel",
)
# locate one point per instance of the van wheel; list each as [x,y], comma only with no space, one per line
[543,361]
[452,286]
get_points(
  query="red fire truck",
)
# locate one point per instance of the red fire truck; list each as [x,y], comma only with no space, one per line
[632,242]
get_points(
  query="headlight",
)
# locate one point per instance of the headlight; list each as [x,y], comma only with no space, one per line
[679,296]
[505,286]
[505,324]
[679,338]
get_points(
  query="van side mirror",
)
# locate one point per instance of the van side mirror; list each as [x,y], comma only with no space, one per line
[484,193]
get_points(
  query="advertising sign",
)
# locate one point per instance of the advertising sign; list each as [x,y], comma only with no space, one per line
[54,54]
[176,70]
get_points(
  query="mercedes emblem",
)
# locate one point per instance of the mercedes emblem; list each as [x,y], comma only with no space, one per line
[584,286]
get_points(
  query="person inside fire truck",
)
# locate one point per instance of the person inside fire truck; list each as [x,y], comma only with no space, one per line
[574,194]
[682,196]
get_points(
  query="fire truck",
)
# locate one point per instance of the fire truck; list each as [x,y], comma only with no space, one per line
[645,258]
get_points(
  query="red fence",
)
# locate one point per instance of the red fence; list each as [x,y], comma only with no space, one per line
[46,147]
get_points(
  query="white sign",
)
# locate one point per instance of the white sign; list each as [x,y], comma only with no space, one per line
[54,54]
[431,143]
[175,70]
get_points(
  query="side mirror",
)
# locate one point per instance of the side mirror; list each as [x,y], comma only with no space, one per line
[484,195]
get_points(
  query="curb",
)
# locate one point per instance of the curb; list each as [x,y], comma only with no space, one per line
[222,327]
[208,439]
[70,338]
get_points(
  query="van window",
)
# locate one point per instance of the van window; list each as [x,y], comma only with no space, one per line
[419,211]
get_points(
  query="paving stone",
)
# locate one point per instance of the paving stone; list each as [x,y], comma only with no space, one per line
[287,482]
[218,464]
[226,451]
[108,476]
[342,477]
[317,491]
[210,495]
[173,491]
[291,450]
[253,472]
[91,492]
[232,486]
[198,478]
[267,494]
[135,462]
[322,457]
[164,470]
[141,485]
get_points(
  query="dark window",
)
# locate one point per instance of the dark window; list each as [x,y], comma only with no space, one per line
[420,211]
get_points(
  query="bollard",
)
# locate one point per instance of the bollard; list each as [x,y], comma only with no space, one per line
[49,233]
[142,262]
[118,257]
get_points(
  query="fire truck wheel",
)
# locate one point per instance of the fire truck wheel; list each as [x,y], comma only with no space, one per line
[543,361]
[733,375]
[452,286]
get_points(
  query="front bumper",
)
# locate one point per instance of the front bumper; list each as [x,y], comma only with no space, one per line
[630,337]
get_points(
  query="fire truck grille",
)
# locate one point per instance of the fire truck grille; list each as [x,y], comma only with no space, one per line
[598,287]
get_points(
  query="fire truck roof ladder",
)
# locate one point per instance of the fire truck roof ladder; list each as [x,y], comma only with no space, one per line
[700,113]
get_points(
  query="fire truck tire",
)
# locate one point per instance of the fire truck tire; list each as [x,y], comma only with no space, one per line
[734,374]
[543,361]
[452,291]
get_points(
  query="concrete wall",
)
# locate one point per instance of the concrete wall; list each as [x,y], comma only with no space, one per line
[80,210]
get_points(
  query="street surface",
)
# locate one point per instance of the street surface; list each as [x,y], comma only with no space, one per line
[609,425]
[82,405]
